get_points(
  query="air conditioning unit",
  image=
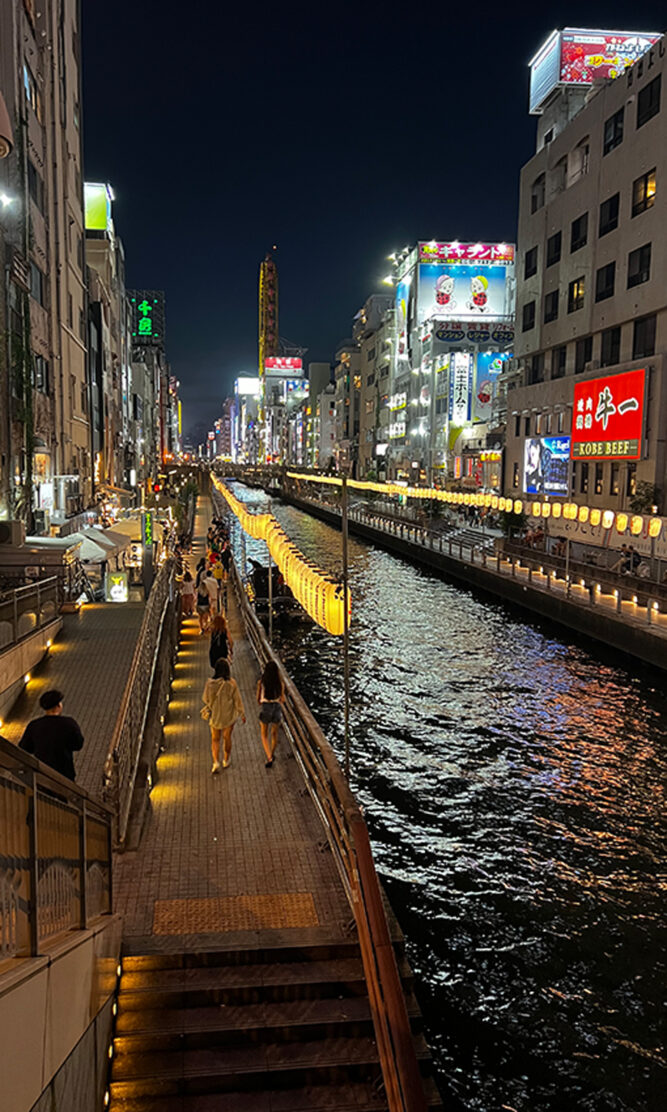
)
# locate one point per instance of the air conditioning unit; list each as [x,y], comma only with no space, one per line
[12,532]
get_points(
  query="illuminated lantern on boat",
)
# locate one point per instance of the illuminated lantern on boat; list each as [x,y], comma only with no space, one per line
[535,509]
[583,514]
[621,523]
[518,506]
[637,524]
[546,509]
[570,511]
[607,519]
[596,517]
[654,527]
[556,510]
[494,501]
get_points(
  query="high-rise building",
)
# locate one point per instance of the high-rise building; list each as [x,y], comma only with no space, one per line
[587,400]
[46,465]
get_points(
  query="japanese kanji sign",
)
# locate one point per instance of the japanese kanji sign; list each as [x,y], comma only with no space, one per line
[608,417]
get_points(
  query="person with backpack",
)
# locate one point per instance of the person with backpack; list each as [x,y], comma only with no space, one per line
[222,708]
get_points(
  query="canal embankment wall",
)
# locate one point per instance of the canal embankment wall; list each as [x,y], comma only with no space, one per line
[643,643]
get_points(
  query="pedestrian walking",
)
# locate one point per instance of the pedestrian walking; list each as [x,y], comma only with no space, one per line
[209,585]
[270,696]
[188,593]
[221,646]
[226,559]
[222,708]
[54,737]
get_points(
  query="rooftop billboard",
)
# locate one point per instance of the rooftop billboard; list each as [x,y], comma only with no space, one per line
[577,56]
[287,365]
[608,417]
[97,206]
[147,316]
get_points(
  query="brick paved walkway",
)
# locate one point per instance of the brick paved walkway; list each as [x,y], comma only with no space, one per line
[233,859]
[89,663]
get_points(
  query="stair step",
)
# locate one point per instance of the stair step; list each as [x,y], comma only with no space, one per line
[360,1097]
[245,1067]
[325,951]
[188,1028]
[251,984]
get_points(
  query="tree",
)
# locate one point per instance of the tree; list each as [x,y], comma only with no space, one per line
[511,523]
[646,496]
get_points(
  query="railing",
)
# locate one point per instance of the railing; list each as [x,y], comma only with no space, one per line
[348,837]
[55,854]
[122,761]
[27,609]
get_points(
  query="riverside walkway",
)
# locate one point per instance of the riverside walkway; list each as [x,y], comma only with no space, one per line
[238,854]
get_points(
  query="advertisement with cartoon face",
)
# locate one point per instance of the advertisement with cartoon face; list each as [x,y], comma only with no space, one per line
[462,291]
[488,366]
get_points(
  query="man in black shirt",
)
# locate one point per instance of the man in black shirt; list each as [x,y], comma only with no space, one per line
[54,737]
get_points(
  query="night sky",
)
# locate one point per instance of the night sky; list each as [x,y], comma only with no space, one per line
[339,132]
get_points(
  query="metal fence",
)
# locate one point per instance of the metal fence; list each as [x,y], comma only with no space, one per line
[348,837]
[122,761]
[27,609]
[55,854]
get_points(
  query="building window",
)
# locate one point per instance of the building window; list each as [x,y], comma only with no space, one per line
[609,215]
[517,424]
[610,350]
[37,284]
[370,354]
[558,359]
[583,479]
[639,266]
[537,193]
[559,175]
[84,399]
[539,424]
[530,263]
[648,102]
[528,316]
[604,282]
[32,94]
[614,482]
[554,245]
[583,353]
[598,478]
[561,421]
[70,310]
[35,185]
[41,374]
[613,132]
[515,475]
[631,479]
[643,339]
[579,232]
[579,160]
[643,193]
[551,307]
[575,295]
[548,137]
[536,369]
[526,426]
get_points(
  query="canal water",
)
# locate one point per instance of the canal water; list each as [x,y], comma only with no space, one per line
[513,783]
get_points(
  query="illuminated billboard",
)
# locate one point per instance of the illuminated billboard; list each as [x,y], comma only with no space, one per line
[460,388]
[489,365]
[283,365]
[147,316]
[580,57]
[463,291]
[97,206]
[546,466]
[608,417]
[455,252]
[247,387]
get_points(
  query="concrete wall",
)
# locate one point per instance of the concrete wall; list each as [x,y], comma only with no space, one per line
[17,660]
[55,1022]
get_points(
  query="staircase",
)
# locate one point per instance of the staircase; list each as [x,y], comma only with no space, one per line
[287,1029]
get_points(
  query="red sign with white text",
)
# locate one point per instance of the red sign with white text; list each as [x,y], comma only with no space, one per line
[608,417]
[279,364]
[499,254]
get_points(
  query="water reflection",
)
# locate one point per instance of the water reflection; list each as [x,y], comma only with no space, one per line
[514,788]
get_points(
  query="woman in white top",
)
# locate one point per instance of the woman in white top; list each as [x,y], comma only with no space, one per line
[188,592]
[223,706]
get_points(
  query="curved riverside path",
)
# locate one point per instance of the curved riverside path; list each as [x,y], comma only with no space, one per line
[235,858]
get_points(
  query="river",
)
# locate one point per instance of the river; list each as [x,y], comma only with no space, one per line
[513,784]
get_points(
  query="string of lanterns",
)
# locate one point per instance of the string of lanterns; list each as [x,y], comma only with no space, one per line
[571,511]
[319,594]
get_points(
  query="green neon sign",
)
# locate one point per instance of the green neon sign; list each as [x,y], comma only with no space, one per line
[145,324]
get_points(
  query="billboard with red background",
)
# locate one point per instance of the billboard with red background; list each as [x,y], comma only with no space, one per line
[608,417]
[588,55]
[283,365]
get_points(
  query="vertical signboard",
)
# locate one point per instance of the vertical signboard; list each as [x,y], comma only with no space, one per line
[147,308]
[608,419]
[147,541]
[460,383]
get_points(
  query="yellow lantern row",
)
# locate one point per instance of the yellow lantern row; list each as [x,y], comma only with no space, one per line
[571,511]
[319,594]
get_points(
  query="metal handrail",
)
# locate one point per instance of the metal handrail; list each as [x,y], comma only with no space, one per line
[122,760]
[55,854]
[41,599]
[348,837]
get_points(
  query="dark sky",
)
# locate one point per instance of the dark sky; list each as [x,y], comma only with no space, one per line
[338,131]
